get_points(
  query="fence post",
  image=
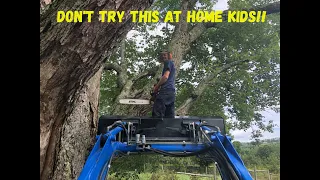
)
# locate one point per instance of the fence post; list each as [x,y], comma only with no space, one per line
[144,167]
[206,169]
[255,173]
[269,175]
[215,171]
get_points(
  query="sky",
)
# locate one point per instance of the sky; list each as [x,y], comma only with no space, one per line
[221,5]
[244,136]
[239,135]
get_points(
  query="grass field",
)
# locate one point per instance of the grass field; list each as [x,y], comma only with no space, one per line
[174,176]
[163,176]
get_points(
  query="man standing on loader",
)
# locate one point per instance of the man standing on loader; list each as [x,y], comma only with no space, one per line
[165,90]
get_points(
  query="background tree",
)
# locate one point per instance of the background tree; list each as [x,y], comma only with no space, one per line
[266,155]
[237,146]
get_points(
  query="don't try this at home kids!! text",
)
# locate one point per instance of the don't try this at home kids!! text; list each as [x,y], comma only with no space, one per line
[171,16]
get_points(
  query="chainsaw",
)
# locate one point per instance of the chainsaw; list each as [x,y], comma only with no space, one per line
[140,101]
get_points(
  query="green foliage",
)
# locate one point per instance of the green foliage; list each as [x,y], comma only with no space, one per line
[265,155]
[108,91]
[127,175]
[264,152]
[237,146]
[239,4]
[247,88]
[155,176]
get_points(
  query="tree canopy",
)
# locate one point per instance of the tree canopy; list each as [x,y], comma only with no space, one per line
[233,69]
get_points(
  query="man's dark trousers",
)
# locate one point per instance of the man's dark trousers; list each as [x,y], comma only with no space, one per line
[163,106]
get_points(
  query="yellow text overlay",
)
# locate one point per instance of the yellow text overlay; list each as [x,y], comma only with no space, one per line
[170,16]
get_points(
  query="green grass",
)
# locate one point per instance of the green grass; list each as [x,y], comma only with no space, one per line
[174,176]
[165,176]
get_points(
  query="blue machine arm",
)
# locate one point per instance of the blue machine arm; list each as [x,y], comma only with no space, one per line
[97,164]
[224,144]
[219,146]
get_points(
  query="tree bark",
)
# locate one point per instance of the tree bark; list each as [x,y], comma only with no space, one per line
[71,61]
[78,131]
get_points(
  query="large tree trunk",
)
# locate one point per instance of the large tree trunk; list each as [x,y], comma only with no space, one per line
[78,131]
[71,59]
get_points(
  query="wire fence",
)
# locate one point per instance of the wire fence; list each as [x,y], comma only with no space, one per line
[211,171]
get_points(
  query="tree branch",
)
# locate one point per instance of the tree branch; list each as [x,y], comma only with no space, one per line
[161,20]
[148,72]
[185,107]
[129,92]
[198,29]
[113,66]
[122,74]
[123,60]
[232,64]
[192,4]
[270,8]
[213,75]
[182,26]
